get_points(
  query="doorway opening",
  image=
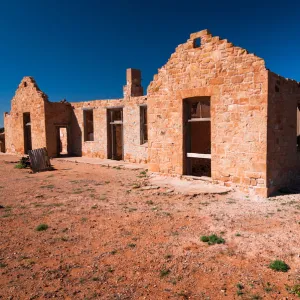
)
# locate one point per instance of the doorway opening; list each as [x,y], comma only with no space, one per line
[27,132]
[62,141]
[197,136]
[115,133]
[88,120]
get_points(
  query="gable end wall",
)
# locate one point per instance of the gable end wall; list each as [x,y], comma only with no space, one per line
[237,83]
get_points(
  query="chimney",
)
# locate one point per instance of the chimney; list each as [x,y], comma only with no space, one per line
[133,88]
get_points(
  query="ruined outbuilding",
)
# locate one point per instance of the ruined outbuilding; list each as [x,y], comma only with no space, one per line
[212,110]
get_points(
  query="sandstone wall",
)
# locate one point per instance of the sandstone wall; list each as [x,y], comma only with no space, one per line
[8,133]
[237,84]
[28,99]
[133,151]
[63,136]
[283,156]
[98,147]
[56,114]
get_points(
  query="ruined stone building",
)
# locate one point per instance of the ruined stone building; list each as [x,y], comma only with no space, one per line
[212,110]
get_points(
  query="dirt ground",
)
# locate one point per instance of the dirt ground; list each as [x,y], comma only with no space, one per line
[109,239]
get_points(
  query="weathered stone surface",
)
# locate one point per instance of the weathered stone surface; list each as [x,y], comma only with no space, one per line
[48,117]
[28,99]
[240,92]
[253,117]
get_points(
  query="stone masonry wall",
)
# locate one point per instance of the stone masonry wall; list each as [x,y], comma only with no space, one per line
[57,114]
[46,118]
[98,147]
[253,117]
[283,159]
[28,99]
[8,133]
[237,84]
[133,151]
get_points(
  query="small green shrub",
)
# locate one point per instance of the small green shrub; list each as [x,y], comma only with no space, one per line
[204,238]
[279,266]
[239,286]
[96,279]
[268,288]
[212,239]
[20,166]
[164,272]
[81,280]
[49,186]
[23,163]
[42,227]
[149,202]
[295,290]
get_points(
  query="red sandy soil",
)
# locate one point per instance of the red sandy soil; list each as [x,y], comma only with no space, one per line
[108,239]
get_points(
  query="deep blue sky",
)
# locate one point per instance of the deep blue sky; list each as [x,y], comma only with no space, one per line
[79,50]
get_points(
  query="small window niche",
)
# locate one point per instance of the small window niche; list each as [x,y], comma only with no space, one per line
[144,124]
[197,43]
[88,120]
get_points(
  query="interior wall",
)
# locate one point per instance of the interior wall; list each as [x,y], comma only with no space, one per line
[63,137]
[57,114]
[200,137]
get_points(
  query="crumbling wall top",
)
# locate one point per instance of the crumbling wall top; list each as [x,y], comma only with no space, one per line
[199,34]
[28,89]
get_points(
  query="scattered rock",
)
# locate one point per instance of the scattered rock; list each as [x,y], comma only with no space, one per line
[150,187]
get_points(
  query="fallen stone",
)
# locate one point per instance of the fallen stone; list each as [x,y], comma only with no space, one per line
[150,187]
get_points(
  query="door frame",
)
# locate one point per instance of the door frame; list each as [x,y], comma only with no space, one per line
[110,131]
[57,130]
[27,132]
[187,138]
